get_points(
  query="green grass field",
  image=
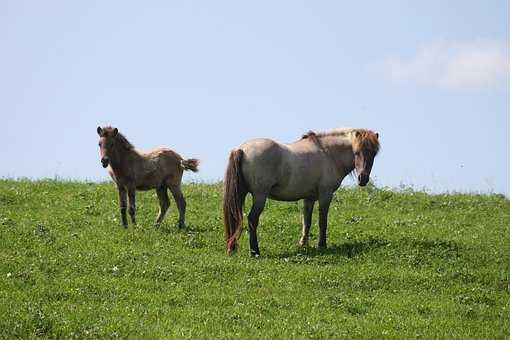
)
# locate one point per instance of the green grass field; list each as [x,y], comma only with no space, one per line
[399,264]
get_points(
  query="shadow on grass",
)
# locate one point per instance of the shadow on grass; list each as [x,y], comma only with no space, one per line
[173,228]
[407,251]
[349,249]
[436,245]
[168,228]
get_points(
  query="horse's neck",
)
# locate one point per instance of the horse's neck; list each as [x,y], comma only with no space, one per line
[122,161]
[340,153]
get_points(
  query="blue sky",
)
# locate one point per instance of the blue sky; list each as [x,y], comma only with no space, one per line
[433,78]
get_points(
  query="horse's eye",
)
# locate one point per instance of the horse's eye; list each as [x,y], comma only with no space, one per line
[99,144]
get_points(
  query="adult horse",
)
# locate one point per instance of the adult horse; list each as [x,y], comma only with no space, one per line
[131,170]
[311,168]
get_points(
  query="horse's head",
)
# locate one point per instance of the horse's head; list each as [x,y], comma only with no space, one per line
[107,138]
[365,147]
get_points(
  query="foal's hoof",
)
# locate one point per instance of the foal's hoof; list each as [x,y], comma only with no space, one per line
[303,242]
[254,253]
[181,225]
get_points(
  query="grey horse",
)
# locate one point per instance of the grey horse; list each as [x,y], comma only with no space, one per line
[311,169]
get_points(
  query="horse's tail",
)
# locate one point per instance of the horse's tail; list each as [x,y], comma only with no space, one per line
[233,200]
[190,164]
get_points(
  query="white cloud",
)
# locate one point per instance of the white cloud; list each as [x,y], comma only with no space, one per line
[454,65]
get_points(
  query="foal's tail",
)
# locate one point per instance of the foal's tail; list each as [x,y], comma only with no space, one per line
[190,164]
[233,199]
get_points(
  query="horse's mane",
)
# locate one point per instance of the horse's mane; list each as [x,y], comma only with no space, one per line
[120,138]
[360,138]
[367,140]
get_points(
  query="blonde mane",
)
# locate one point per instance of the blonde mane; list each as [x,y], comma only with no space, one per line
[360,138]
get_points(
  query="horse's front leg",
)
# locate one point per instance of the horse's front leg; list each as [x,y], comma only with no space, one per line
[259,201]
[132,204]
[324,202]
[123,204]
[307,221]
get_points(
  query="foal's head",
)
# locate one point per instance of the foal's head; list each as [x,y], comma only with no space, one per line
[365,147]
[110,140]
[106,143]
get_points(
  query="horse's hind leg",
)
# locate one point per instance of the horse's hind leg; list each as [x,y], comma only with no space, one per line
[164,202]
[132,204]
[307,221]
[181,203]
[259,201]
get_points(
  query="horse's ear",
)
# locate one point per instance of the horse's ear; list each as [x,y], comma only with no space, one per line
[99,130]
[357,134]
[115,132]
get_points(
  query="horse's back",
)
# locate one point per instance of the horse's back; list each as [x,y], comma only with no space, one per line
[157,166]
[285,172]
[162,151]
[304,166]
[260,149]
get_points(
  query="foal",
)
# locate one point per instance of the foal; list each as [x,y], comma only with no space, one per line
[131,170]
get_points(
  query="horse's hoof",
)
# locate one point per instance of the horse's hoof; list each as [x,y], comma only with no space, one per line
[303,243]
[254,254]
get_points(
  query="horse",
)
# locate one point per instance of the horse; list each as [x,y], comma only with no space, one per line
[311,169]
[132,170]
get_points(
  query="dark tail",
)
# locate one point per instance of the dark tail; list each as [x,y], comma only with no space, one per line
[190,164]
[233,200]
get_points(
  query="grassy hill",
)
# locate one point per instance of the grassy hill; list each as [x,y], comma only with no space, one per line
[399,264]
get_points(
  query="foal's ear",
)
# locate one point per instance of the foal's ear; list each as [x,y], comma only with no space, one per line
[357,134]
[115,132]
[377,135]
[99,130]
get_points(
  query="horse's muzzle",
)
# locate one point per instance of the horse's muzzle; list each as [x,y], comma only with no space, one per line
[363,180]
[104,162]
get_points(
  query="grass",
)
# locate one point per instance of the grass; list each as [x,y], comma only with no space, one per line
[399,264]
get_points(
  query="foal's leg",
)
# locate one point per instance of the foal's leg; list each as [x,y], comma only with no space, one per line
[164,202]
[259,201]
[181,203]
[324,201]
[123,204]
[307,221]
[132,204]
